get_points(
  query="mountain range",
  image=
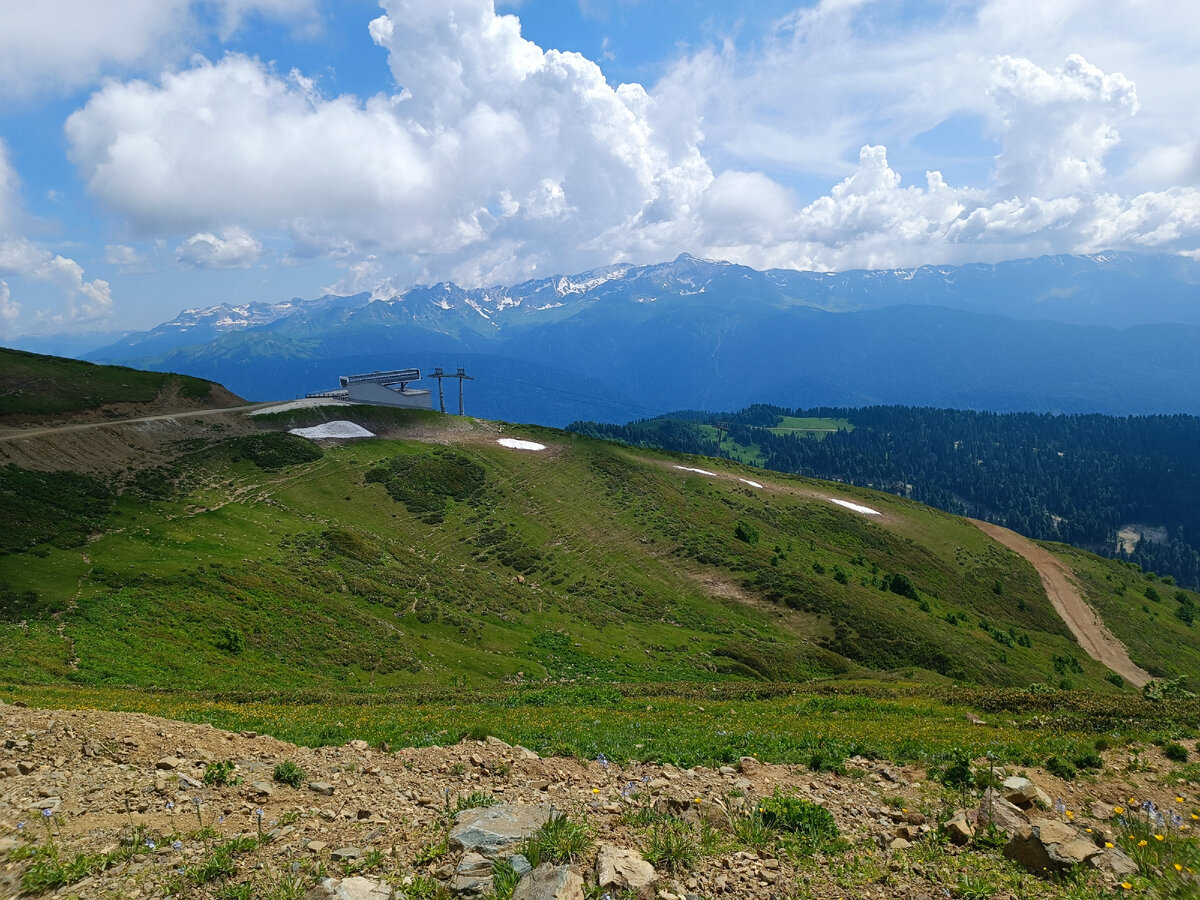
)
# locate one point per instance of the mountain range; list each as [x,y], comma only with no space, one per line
[1114,333]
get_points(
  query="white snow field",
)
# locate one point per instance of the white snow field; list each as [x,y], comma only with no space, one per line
[865,510]
[332,430]
[515,444]
[753,484]
[698,471]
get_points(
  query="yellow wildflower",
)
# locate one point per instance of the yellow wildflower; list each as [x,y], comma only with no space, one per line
[1118,809]
[1126,885]
[1178,867]
[1108,844]
[1141,843]
[1158,837]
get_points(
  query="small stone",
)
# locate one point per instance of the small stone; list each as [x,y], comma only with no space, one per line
[343,854]
[249,734]
[520,864]
[357,887]
[321,787]
[25,767]
[316,846]
[262,788]
[169,763]
[625,870]
[958,829]
[550,882]
[899,844]
[473,875]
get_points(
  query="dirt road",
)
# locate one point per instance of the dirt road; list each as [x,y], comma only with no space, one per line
[1095,639]
[15,434]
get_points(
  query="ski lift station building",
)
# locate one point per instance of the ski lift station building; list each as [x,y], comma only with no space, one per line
[382,389]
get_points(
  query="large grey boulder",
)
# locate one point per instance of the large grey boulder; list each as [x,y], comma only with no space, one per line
[618,869]
[1050,847]
[995,810]
[1116,861]
[550,882]
[490,830]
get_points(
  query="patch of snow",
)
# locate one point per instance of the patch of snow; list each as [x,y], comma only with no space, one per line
[515,444]
[479,309]
[698,471]
[865,510]
[340,429]
[300,404]
[753,484]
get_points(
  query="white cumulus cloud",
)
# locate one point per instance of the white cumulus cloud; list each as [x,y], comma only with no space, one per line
[9,308]
[496,159]
[83,300]
[1058,126]
[492,142]
[56,45]
[234,249]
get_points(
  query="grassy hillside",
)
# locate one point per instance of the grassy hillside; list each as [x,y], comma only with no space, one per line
[32,384]
[262,563]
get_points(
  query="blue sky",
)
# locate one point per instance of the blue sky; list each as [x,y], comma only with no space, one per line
[160,154]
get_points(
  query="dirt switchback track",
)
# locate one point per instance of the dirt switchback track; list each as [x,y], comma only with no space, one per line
[1095,639]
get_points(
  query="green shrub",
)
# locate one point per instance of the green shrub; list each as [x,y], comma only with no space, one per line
[957,773]
[425,482]
[562,840]
[287,772]
[812,825]
[220,773]
[504,879]
[1175,752]
[1088,761]
[671,845]
[744,531]
[1060,768]
[474,800]
[900,584]
[230,640]
[275,449]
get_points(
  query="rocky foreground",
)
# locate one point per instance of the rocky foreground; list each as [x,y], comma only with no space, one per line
[136,799]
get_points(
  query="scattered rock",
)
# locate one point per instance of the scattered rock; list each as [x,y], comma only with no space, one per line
[1046,846]
[321,787]
[995,810]
[550,882]
[168,763]
[1115,861]
[346,853]
[1023,793]
[473,876]
[958,829]
[625,870]
[490,829]
[357,887]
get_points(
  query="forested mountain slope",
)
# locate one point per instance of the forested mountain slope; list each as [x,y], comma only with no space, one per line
[1123,486]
